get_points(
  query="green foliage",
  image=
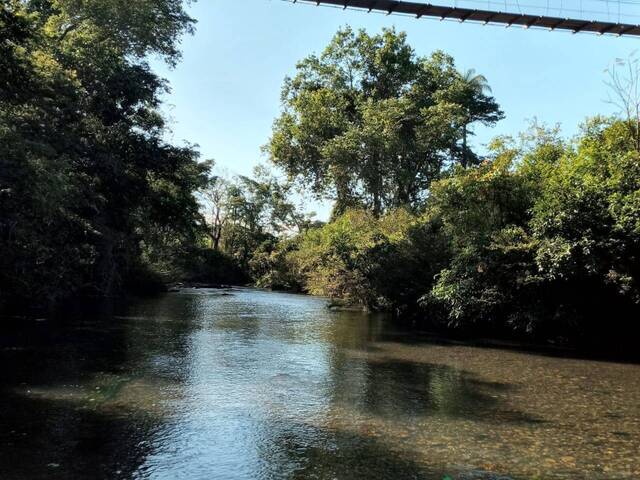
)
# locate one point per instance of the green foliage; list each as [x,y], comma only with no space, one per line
[483,211]
[89,189]
[543,240]
[206,265]
[552,242]
[272,266]
[333,259]
[249,221]
[542,237]
[372,125]
[548,243]
[245,215]
[359,258]
[587,216]
[132,28]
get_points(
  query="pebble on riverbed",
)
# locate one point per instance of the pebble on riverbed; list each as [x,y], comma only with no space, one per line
[478,475]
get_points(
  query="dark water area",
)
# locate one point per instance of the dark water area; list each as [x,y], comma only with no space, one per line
[205,384]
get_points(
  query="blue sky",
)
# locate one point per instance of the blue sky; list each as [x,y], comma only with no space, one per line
[226,91]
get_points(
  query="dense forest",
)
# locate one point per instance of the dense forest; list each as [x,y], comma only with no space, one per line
[538,236]
[90,193]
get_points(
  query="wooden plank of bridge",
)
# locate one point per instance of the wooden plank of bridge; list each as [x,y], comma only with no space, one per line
[420,10]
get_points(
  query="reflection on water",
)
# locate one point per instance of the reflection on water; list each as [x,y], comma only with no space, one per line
[273,386]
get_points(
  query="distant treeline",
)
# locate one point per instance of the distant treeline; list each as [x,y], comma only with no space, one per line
[539,237]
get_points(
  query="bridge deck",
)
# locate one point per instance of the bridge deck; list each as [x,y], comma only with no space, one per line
[484,16]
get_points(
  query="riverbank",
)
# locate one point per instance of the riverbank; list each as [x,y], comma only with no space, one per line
[410,328]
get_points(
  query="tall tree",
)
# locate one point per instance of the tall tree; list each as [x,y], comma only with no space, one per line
[370,124]
[88,183]
[214,197]
[476,107]
[624,93]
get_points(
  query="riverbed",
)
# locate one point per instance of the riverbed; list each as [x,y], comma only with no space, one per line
[247,384]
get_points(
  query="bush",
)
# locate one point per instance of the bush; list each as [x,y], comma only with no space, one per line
[484,213]
[361,259]
[543,240]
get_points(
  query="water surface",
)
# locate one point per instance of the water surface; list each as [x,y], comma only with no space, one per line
[246,384]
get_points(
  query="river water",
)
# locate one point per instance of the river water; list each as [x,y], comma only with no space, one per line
[245,384]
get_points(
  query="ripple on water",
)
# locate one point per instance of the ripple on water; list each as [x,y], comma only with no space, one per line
[276,386]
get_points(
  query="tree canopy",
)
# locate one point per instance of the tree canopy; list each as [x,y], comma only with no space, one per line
[87,181]
[371,124]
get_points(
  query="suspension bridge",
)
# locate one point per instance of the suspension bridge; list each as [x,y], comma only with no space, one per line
[601,17]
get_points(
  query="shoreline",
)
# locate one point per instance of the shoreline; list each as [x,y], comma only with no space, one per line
[407,329]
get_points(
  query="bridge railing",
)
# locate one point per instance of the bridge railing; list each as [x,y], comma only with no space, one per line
[525,20]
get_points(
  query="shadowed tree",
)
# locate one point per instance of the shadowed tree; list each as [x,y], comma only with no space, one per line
[90,192]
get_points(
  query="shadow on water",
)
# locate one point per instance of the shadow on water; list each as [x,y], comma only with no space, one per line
[67,442]
[405,390]
[61,439]
[59,417]
[269,386]
[300,451]
[560,349]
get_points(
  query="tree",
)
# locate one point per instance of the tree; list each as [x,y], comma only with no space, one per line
[246,215]
[624,93]
[214,197]
[371,125]
[476,107]
[587,216]
[91,193]
[484,212]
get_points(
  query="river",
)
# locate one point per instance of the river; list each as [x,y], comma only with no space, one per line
[246,384]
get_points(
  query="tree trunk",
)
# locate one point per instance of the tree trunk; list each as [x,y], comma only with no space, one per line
[464,146]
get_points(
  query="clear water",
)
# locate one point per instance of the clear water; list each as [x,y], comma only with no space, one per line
[258,385]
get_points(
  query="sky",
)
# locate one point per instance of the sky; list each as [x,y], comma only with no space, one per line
[225,93]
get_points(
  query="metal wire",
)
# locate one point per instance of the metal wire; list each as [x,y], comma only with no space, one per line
[620,11]
[502,12]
